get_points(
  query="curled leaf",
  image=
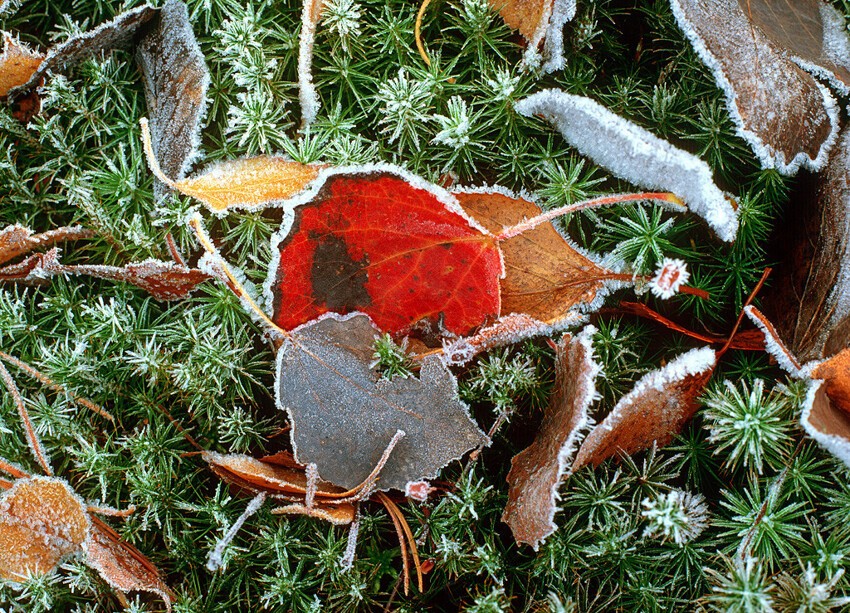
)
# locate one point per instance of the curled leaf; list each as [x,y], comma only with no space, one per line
[176,81]
[537,471]
[17,240]
[539,21]
[788,118]
[655,411]
[634,154]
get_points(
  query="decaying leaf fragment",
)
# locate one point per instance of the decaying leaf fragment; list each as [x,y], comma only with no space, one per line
[17,240]
[42,520]
[342,414]
[655,411]
[176,79]
[17,64]
[632,153]
[760,52]
[539,21]
[826,409]
[537,471]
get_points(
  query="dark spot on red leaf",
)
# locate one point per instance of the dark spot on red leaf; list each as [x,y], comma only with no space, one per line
[338,280]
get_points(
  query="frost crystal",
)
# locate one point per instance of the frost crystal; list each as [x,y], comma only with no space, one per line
[679,515]
[343,17]
[632,153]
[670,276]
[454,130]
[405,105]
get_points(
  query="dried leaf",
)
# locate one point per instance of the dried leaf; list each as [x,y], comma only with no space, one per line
[17,64]
[632,153]
[390,245]
[41,521]
[655,411]
[546,277]
[835,373]
[537,471]
[249,183]
[17,240]
[106,37]
[539,21]
[343,416]
[311,13]
[788,118]
[163,280]
[176,81]
[826,423]
[812,32]
[123,566]
[810,299]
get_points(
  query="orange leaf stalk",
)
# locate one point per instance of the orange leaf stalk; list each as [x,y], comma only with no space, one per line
[532,223]
[417,33]
[750,299]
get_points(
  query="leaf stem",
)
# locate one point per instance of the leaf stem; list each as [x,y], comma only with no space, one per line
[417,33]
[530,224]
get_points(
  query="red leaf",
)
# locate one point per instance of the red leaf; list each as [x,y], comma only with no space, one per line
[379,243]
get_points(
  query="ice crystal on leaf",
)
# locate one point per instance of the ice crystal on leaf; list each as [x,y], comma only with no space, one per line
[670,276]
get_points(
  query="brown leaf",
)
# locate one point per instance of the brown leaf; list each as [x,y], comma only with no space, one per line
[809,301]
[123,566]
[41,521]
[108,36]
[17,64]
[826,423]
[537,471]
[539,21]
[176,81]
[546,277]
[811,31]
[17,240]
[785,115]
[163,280]
[343,416]
[654,412]
[265,475]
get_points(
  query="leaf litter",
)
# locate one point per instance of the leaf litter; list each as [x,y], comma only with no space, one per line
[43,521]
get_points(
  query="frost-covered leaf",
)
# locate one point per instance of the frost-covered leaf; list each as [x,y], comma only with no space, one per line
[826,409]
[655,411]
[539,21]
[753,47]
[537,471]
[17,240]
[344,414]
[41,521]
[809,301]
[108,36]
[176,81]
[546,277]
[388,244]
[17,64]
[249,182]
[123,566]
[632,153]
[282,478]
[163,280]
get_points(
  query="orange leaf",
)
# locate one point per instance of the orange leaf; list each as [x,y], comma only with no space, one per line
[17,64]
[41,520]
